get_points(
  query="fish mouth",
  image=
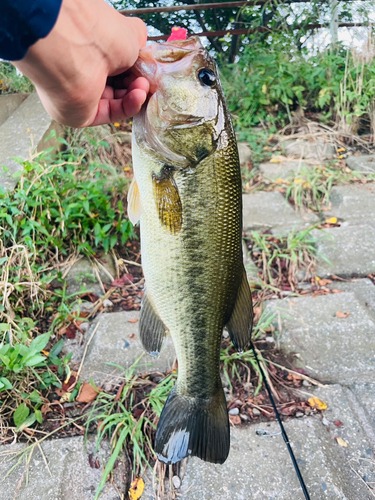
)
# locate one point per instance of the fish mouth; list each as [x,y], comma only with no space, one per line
[159,58]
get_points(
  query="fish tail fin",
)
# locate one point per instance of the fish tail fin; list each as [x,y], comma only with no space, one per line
[193,426]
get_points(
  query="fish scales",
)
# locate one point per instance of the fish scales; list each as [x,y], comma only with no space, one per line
[192,262]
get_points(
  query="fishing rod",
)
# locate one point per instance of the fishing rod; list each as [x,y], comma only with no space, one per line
[283,431]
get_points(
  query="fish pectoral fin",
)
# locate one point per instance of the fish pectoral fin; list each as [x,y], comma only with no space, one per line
[151,328]
[241,321]
[167,199]
[134,203]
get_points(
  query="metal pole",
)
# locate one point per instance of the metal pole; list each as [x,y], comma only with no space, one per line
[334,25]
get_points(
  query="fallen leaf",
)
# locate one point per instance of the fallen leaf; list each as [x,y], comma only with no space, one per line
[338,423]
[340,314]
[336,291]
[131,336]
[341,442]
[235,419]
[133,320]
[71,331]
[126,279]
[45,409]
[94,464]
[67,384]
[136,488]
[65,397]
[317,404]
[324,282]
[331,220]
[87,393]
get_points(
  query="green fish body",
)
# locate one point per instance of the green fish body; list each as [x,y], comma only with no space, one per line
[187,195]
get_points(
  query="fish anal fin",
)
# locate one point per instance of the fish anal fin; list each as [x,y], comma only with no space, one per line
[134,203]
[241,321]
[151,328]
[167,199]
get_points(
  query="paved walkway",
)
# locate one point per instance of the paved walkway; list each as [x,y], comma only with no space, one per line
[338,349]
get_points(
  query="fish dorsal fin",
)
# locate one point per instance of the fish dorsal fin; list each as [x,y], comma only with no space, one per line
[151,328]
[241,321]
[167,199]
[134,203]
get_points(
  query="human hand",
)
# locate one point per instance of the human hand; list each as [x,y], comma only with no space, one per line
[82,69]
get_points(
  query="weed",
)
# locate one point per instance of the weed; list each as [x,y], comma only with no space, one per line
[62,205]
[233,361]
[311,187]
[11,81]
[276,79]
[279,258]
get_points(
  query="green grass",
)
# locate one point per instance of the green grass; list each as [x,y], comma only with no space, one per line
[63,204]
[311,187]
[279,258]
[235,363]
[11,82]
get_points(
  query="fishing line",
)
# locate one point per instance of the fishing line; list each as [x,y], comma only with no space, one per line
[283,431]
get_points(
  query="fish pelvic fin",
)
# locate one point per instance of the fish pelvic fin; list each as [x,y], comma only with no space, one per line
[193,426]
[134,203]
[240,323]
[151,328]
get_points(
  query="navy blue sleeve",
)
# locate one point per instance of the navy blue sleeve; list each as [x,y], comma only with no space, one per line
[23,22]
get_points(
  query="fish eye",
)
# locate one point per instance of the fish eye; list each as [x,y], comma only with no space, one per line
[207,77]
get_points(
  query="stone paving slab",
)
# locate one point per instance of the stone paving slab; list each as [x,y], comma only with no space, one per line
[354,204]
[266,210]
[260,467]
[317,149]
[363,163]
[350,251]
[21,132]
[333,349]
[117,341]
[364,394]
[363,289]
[9,103]
[283,170]
[244,152]
[82,274]
[70,476]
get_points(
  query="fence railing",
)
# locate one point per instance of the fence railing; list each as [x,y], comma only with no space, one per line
[238,31]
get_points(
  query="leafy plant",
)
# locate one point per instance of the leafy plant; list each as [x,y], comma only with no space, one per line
[232,361]
[11,81]
[275,81]
[279,258]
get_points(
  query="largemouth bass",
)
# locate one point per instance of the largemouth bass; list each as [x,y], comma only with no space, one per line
[186,193]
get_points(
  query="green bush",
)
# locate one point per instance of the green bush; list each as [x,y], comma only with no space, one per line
[274,79]
[65,204]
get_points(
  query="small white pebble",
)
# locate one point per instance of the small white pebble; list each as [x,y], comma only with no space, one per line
[270,339]
[256,412]
[176,482]
[234,411]
[325,421]
[107,304]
